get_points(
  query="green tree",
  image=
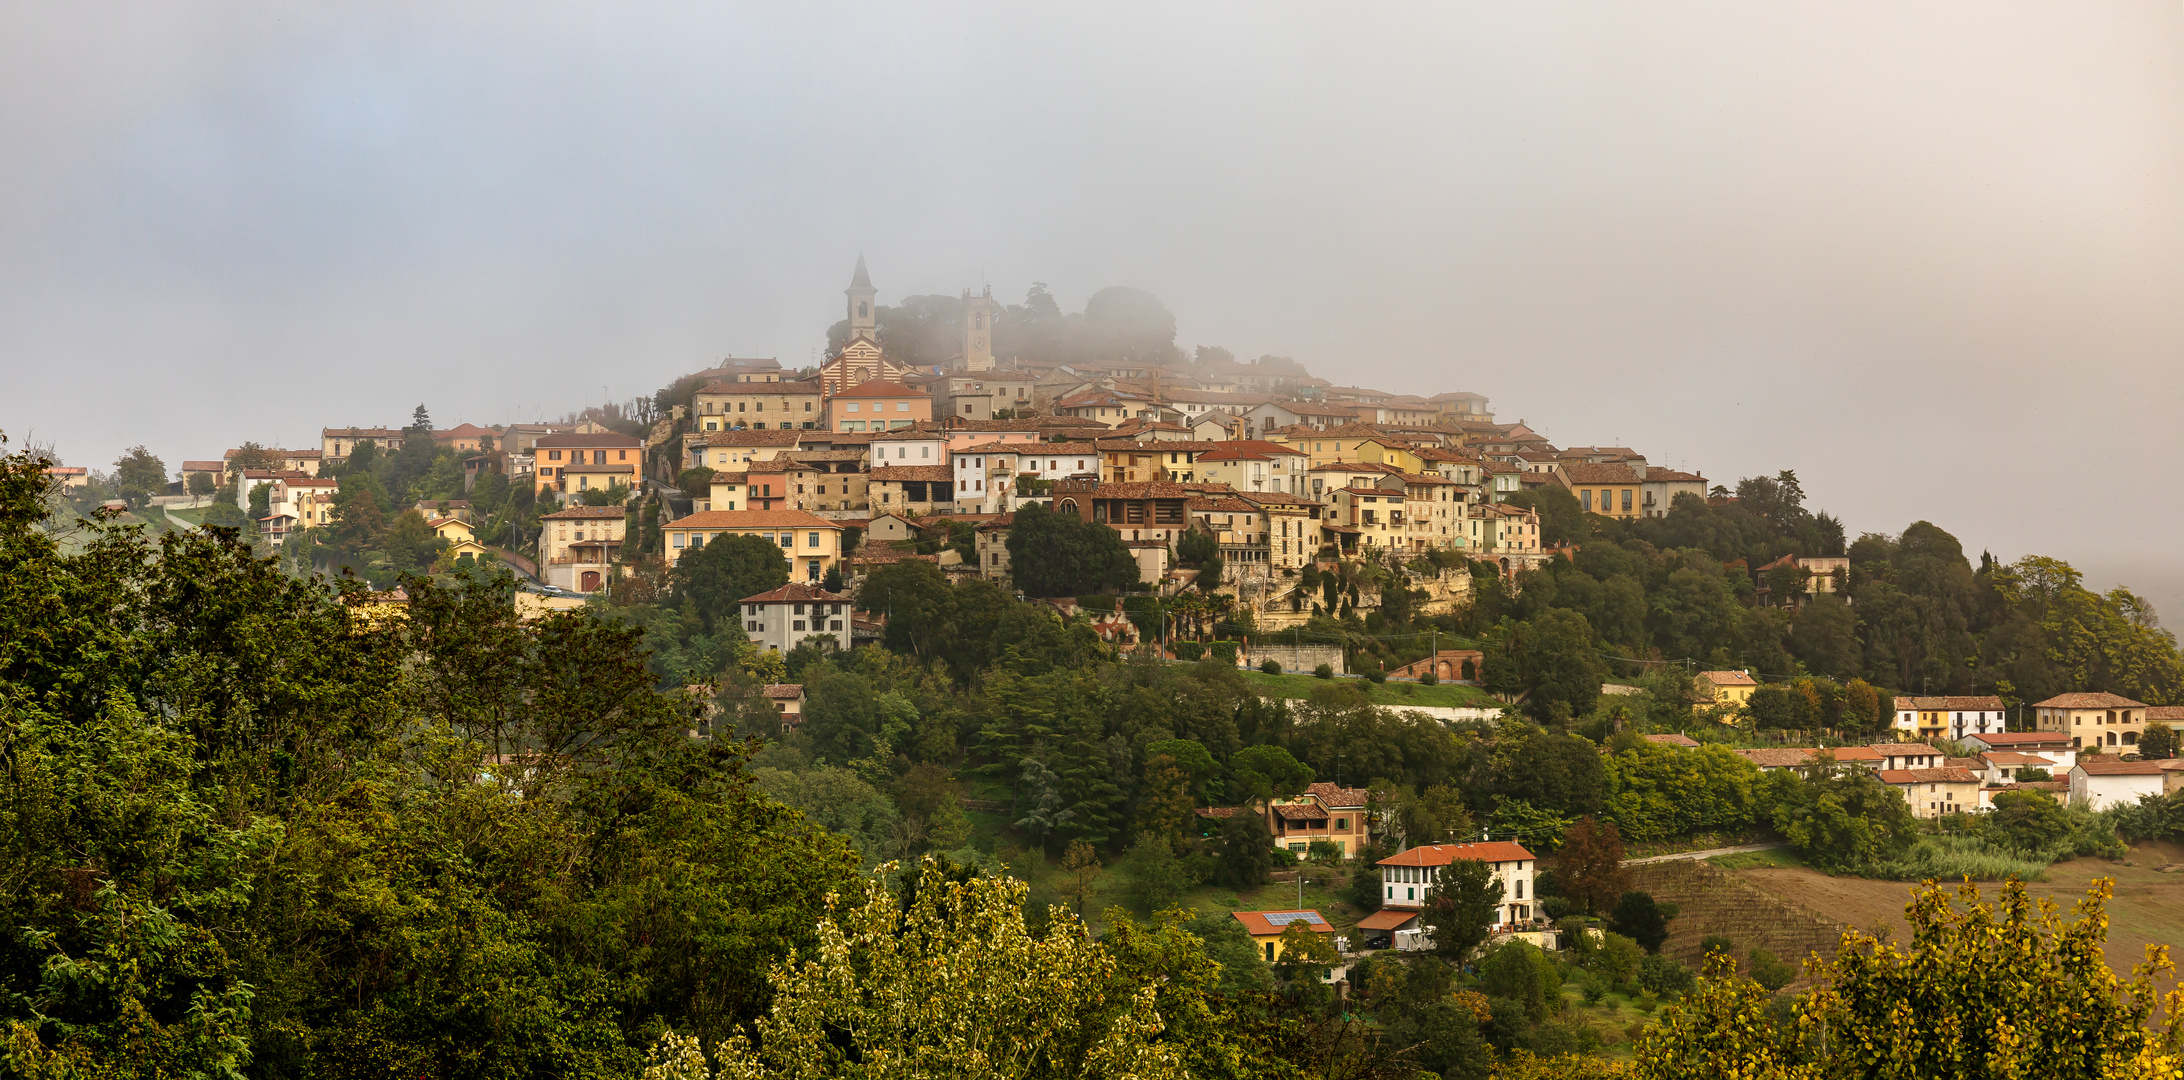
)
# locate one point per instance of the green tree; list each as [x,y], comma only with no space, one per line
[1842,818]
[1522,973]
[1156,878]
[139,474]
[1770,973]
[2159,741]
[1459,908]
[718,576]
[1561,519]
[1263,772]
[1563,668]
[1245,850]
[1638,918]
[1054,554]
[1776,706]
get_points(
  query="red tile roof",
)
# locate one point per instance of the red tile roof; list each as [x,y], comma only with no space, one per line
[577,512]
[751,519]
[2089,701]
[2022,738]
[1948,704]
[1444,854]
[2093,767]
[1340,797]
[1927,776]
[929,474]
[796,592]
[1387,919]
[1728,678]
[785,691]
[1673,740]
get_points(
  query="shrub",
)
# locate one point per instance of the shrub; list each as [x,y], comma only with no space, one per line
[1717,943]
[1770,972]
[1377,675]
[1224,651]
[1430,679]
[1190,650]
[1664,977]
[1324,671]
[1271,666]
[1595,989]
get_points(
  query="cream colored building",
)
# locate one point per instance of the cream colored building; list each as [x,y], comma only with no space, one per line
[736,450]
[578,546]
[812,544]
[758,406]
[2093,719]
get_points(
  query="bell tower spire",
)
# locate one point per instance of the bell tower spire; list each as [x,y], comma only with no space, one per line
[863,320]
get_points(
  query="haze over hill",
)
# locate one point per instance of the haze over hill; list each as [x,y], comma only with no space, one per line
[1927,258]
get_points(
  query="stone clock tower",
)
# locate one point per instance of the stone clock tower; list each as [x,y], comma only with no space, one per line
[863,317]
[978,315]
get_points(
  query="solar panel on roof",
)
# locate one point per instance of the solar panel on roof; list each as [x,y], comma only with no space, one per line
[1284,918]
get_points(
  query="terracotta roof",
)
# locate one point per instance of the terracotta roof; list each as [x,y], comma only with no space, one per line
[997,522]
[2032,785]
[1143,489]
[796,592]
[2013,758]
[1333,795]
[935,474]
[1444,854]
[1927,776]
[1270,923]
[1947,704]
[918,431]
[2022,738]
[786,691]
[1581,472]
[2166,713]
[1906,749]
[1673,740]
[880,388]
[720,386]
[751,519]
[2100,700]
[1864,755]
[1777,757]
[603,438]
[755,438]
[1276,498]
[1300,812]
[1657,475]
[1387,919]
[1728,678]
[1220,812]
[2092,767]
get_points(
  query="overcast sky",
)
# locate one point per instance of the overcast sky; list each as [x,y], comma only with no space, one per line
[1930,256]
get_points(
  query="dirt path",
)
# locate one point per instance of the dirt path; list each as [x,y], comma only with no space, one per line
[1707,854]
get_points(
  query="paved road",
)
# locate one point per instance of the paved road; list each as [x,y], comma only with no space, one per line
[1707,854]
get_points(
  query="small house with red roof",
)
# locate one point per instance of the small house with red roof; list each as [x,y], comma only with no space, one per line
[783,618]
[1266,928]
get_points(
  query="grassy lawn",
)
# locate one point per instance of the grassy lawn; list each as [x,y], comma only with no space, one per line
[1392,694]
[1754,860]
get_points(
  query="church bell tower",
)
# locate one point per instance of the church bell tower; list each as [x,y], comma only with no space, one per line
[863,316]
[978,315]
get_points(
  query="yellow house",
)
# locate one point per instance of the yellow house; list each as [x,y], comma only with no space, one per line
[812,544]
[574,463]
[1731,688]
[1265,928]
[1612,490]
[453,530]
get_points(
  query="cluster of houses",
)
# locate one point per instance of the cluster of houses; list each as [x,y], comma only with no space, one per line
[2085,743]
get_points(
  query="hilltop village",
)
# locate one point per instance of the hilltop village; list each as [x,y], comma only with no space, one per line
[1411,714]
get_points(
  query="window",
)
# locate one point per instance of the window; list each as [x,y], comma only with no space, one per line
[851,407]
[788,539]
[797,625]
[812,540]
[902,406]
[553,455]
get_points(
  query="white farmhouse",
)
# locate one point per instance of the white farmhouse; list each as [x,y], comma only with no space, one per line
[2097,784]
